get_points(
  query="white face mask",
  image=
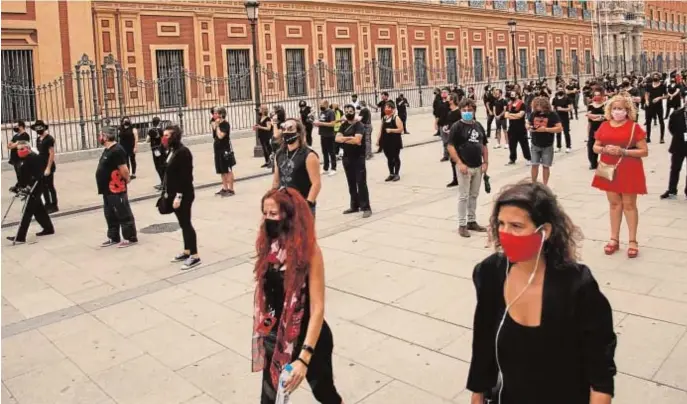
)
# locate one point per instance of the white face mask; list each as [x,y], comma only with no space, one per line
[619,114]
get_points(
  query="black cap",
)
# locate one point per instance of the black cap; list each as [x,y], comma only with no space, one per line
[39,125]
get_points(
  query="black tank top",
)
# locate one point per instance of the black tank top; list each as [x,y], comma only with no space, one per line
[292,169]
[126,137]
[264,134]
[390,139]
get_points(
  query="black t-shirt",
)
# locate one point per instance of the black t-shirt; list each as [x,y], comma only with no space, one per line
[365,116]
[488,99]
[441,111]
[655,92]
[262,133]
[547,120]
[107,176]
[127,139]
[571,87]
[591,109]
[14,157]
[563,102]
[516,126]
[43,146]
[306,118]
[468,140]
[587,91]
[223,143]
[499,105]
[401,106]
[327,116]
[453,117]
[380,106]
[155,136]
[347,129]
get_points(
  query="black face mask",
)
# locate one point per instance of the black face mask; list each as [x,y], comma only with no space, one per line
[560,93]
[350,117]
[273,228]
[40,132]
[15,129]
[323,109]
[290,138]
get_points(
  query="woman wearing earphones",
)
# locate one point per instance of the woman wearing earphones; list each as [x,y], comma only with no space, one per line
[543,331]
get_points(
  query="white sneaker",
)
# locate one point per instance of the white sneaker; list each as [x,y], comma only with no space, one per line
[568,150]
[498,146]
[323,171]
[332,173]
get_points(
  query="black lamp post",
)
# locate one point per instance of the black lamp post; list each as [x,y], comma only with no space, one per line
[252,13]
[512,25]
[623,35]
[684,57]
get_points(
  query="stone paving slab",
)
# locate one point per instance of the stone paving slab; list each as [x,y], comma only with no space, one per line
[89,325]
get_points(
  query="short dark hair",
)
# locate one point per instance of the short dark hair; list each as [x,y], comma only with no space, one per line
[348,106]
[175,134]
[390,104]
[21,124]
[385,93]
[156,120]
[467,102]
[454,98]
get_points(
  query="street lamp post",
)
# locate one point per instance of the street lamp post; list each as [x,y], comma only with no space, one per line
[252,13]
[623,35]
[684,57]
[512,25]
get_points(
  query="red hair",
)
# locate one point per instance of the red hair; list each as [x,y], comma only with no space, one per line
[297,239]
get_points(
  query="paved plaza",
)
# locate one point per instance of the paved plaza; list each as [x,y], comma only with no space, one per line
[91,326]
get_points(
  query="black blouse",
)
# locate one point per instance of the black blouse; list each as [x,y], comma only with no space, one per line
[179,172]
[575,342]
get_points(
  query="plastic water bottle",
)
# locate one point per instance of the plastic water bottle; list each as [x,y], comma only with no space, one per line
[282,395]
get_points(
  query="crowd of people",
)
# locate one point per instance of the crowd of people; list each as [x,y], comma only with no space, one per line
[570,332]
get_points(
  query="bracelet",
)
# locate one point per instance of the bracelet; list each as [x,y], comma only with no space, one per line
[303,362]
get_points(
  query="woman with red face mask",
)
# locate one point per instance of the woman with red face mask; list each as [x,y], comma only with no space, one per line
[389,140]
[543,331]
[595,117]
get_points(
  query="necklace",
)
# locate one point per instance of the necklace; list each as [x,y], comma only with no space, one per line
[294,154]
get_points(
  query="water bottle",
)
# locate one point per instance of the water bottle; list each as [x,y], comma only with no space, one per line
[282,395]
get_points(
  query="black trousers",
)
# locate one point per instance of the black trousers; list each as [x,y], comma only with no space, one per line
[676,160]
[591,156]
[159,162]
[49,191]
[655,111]
[266,148]
[566,131]
[328,153]
[183,215]
[356,175]
[393,159]
[320,374]
[33,208]
[404,119]
[670,106]
[118,216]
[515,138]
[308,134]
[574,110]
[131,161]
[490,119]
[16,166]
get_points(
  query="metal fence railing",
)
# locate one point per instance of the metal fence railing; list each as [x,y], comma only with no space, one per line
[77,104]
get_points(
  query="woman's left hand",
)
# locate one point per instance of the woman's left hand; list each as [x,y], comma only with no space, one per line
[176,203]
[297,376]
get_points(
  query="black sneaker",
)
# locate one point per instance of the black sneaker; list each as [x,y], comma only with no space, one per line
[510,163]
[443,159]
[158,187]
[190,263]
[228,192]
[133,176]
[668,195]
[180,257]
[221,192]
[12,239]
[389,178]
[662,141]
[350,210]
[45,233]
[396,178]
[109,243]
[452,184]
[265,165]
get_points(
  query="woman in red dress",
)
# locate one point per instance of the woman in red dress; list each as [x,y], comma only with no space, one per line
[621,142]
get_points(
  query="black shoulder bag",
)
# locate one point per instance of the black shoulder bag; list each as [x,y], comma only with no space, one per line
[164,202]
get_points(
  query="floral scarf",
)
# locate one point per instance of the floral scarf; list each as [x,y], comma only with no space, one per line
[289,325]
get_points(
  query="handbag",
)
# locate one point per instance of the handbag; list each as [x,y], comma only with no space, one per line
[165,205]
[608,171]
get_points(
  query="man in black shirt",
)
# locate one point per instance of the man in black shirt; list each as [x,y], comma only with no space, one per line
[543,123]
[499,108]
[572,90]
[382,103]
[365,117]
[563,106]
[225,159]
[20,135]
[325,126]
[158,152]
[677,126]
[350,136]
[440,111]
[488,99]
[468,149]
[112,177]
[28,186]
[454,115]
[402,111]
[656,92]
[307,119]
[45,144]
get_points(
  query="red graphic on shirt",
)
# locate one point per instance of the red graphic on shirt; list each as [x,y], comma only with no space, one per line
[117,183]
[540,122]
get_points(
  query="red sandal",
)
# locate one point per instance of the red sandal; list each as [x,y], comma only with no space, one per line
[610,248]
[633,252]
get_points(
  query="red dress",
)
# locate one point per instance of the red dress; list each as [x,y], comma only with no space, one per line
[629,175]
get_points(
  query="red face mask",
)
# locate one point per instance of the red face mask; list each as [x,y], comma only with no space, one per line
[597,98]
[165,142]
[387,111]
[520,248]
[101,140]
[23,152]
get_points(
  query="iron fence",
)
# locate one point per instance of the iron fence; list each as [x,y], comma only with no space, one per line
[77,104]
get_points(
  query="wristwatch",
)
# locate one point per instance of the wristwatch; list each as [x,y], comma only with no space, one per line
[312,204]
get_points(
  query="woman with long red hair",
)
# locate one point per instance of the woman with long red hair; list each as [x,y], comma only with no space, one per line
[288,322]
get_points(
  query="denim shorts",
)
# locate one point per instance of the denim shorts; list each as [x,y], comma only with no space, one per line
[542,155]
